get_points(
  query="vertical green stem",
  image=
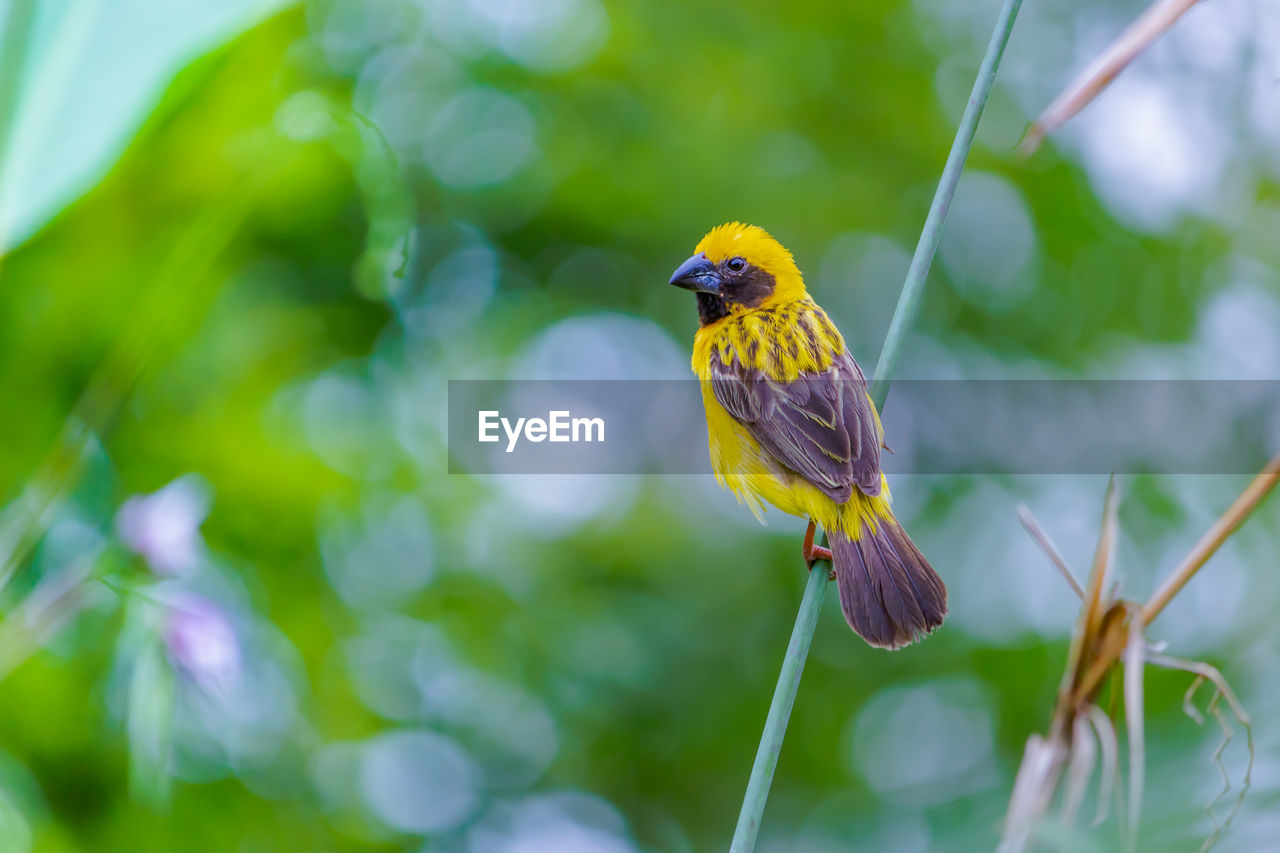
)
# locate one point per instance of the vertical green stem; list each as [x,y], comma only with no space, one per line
[784,695]
[904,316]
[775,727]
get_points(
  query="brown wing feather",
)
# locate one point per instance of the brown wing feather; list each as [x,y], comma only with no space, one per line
[819,426]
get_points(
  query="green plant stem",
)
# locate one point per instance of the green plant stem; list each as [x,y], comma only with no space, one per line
[775,727]
[784,695]
[904,316]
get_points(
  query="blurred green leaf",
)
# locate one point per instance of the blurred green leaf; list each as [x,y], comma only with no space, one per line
[90,74]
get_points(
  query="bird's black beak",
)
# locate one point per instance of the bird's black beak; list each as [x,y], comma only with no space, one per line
[698,274]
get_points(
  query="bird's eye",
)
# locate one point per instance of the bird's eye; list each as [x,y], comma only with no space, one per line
[737,264]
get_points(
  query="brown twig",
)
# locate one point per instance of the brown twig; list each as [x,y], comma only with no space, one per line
[1159,17]
[1032,526]
[1213,539]
[1208,545]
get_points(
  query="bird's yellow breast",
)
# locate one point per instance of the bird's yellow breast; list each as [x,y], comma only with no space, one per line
[782,342]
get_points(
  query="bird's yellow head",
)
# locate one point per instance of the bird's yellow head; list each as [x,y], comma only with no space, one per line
[738,268]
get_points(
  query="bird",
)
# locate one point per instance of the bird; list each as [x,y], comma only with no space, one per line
[790,423]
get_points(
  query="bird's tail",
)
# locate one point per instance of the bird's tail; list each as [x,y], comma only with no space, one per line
[888,591]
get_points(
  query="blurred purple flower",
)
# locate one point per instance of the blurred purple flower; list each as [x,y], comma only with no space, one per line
[202,643]
[164,527]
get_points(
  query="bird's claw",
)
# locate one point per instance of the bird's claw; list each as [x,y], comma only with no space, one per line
[813,553]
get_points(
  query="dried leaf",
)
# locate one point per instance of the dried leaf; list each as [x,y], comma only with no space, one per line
[1109,746]
[1159,17]
[1204,672]
[1050,550]
[1133,712]
[1084,754]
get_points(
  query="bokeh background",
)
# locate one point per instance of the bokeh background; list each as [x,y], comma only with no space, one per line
[246,244]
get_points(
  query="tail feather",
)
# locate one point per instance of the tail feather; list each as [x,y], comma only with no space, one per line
[888,591]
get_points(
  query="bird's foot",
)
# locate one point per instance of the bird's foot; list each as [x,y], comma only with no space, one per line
[813,553]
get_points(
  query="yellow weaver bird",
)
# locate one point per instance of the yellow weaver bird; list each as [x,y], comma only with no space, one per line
[791,423]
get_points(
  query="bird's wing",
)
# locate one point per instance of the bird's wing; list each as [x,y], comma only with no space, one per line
[822,426]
